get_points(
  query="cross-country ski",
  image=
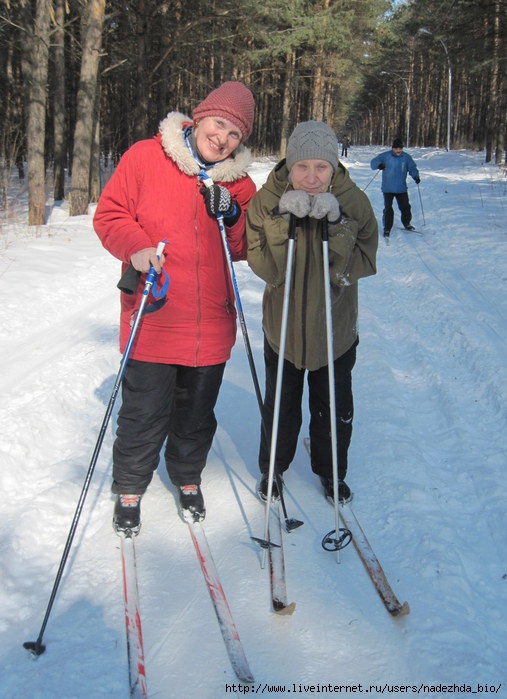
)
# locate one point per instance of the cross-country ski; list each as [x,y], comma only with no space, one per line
[133,620]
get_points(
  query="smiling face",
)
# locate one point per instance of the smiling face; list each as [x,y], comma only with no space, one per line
[312,176]
[216,138]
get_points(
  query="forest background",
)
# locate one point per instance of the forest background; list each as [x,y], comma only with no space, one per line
[82,80]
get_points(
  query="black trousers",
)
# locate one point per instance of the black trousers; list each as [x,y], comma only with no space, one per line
[164,402]
[403,205]
[320,421]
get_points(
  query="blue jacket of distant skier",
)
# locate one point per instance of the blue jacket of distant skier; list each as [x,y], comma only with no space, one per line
[397,167]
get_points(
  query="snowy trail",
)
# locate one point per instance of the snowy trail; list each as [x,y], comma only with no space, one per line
[447,362]
[428,459]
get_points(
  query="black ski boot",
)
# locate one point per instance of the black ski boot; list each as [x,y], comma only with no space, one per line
[192,503]
[262,490]
[344,494]
[127,514]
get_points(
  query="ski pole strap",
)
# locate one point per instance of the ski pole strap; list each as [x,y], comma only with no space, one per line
[155,306]
[158,292]
[152,279]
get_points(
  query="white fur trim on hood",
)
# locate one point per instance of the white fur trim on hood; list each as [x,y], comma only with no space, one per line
[173,143]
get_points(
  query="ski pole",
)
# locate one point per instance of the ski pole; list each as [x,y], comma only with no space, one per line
[37,647]
[330,364]
[420,201]
[290,523]
[279,378]
[369,183]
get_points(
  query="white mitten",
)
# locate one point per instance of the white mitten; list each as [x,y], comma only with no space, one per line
[295,202]
[325,204]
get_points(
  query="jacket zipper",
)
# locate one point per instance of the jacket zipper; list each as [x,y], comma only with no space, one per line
[198,285]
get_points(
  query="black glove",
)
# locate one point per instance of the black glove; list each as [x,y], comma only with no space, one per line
[417,180]
[381,166]
[219,202]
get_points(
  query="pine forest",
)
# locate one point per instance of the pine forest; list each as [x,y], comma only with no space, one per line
[82,80]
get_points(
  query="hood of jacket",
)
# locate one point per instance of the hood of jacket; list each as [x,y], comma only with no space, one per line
[174,145]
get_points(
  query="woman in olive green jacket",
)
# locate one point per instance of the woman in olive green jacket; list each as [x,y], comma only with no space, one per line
[310,184]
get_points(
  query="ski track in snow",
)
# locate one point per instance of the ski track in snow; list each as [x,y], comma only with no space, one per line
[427,469]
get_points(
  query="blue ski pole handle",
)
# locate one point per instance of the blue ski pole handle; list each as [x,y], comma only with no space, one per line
[130,278]
[151,279]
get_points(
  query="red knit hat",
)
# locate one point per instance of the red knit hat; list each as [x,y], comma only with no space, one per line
[232,101]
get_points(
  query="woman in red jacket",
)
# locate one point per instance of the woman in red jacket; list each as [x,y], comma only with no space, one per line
[175,368]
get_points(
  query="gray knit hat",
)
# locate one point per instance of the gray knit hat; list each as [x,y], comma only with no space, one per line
[312,140]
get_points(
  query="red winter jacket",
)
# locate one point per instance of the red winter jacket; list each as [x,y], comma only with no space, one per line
[154,195]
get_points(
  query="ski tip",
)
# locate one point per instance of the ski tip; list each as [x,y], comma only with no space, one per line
[282,609]
[245,677]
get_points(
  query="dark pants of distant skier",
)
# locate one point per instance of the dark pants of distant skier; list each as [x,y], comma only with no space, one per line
[403,205]
[164,402]
[320,422]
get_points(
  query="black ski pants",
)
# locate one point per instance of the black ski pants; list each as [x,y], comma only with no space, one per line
[404,206]
[320,422]
[164,403]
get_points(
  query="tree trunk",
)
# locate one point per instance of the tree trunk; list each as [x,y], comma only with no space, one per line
[59,102]
[286,103]
[498,83]
[36,74]
[84,133]
[140,87]
[95,180]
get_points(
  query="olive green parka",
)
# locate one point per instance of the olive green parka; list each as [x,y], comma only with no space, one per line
[353,243]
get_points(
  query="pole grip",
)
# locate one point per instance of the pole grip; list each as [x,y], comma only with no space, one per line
[130,278]
[160,248]
[292,227]
[325,230]
[129,281]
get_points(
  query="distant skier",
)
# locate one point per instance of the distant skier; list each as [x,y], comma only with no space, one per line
[396,165]
[345,146]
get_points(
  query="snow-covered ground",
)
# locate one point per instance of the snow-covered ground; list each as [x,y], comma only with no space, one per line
[428,469]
